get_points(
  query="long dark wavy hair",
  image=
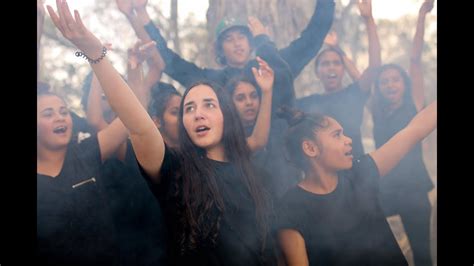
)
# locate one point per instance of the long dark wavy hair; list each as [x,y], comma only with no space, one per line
[379,105]
[203,203]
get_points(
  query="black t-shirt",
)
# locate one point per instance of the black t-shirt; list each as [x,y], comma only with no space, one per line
[74,221]
[137,215]
[346,226]
[238,239]
[346,106]
[410,175]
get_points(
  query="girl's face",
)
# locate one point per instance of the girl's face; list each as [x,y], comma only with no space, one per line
[203,118]
[54,123]
[391,85]
[247,102]
[330,70]
[335,149]
[236,48]
[169,124]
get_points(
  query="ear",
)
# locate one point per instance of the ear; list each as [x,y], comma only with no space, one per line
[157,121]
[310,148]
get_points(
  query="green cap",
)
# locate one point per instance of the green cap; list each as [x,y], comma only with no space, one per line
[228,23]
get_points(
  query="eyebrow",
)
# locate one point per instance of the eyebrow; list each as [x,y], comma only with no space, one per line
[47,109]
[209,100]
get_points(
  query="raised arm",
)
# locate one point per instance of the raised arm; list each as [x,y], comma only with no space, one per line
[283,92]
[416,68]
[293,247]
[146,139]
[94,112]
[388,156]
[139,83]
[303,49]
[127,7]
[331,40]
[264,77]
[375,60]
[176,67]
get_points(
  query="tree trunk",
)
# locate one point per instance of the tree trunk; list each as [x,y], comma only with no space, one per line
[174,26]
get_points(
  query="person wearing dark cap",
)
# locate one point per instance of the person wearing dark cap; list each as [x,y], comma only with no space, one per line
[242,39]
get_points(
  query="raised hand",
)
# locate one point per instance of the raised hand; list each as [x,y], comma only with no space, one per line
[426,7]
[125,6]
[331,39]
[264,75]
[256,27]
[139,53]
[74,30]
[365,8]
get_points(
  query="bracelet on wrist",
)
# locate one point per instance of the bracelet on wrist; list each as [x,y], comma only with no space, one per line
[90,60]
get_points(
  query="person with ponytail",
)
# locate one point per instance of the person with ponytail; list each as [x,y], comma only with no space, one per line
[333,216]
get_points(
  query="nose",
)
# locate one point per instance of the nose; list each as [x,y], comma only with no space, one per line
[59,117]
[348,141]
[248,102]
[198,115]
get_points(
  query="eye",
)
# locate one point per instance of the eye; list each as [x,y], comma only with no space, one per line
[239,98]
[64,112]
[189,108]
[210,105]
[47,114]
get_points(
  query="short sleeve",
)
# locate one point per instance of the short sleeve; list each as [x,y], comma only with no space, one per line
[365,171]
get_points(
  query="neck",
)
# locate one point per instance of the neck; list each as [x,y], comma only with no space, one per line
[236,65]
[217,153]
[50,162]
[332,90]
[394,106]
[319,181]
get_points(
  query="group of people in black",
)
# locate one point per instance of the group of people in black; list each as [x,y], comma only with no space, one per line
[236,170]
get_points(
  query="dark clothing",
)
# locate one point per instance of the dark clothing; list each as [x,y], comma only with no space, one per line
[346,226]
[188,73]
[346,106]
[278,174]
[238,241]
[111,219]
[297,55]
[404,189]
[74,221]
[137,215]
[80,128]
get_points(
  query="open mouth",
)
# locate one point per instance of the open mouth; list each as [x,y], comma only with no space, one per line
[349,153]
[60,130]
[201,129]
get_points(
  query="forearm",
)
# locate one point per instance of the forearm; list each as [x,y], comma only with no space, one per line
[417,47]
[259,137]
[137,24]
[375,59]
[94,112]
[121,98]
[303,49]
